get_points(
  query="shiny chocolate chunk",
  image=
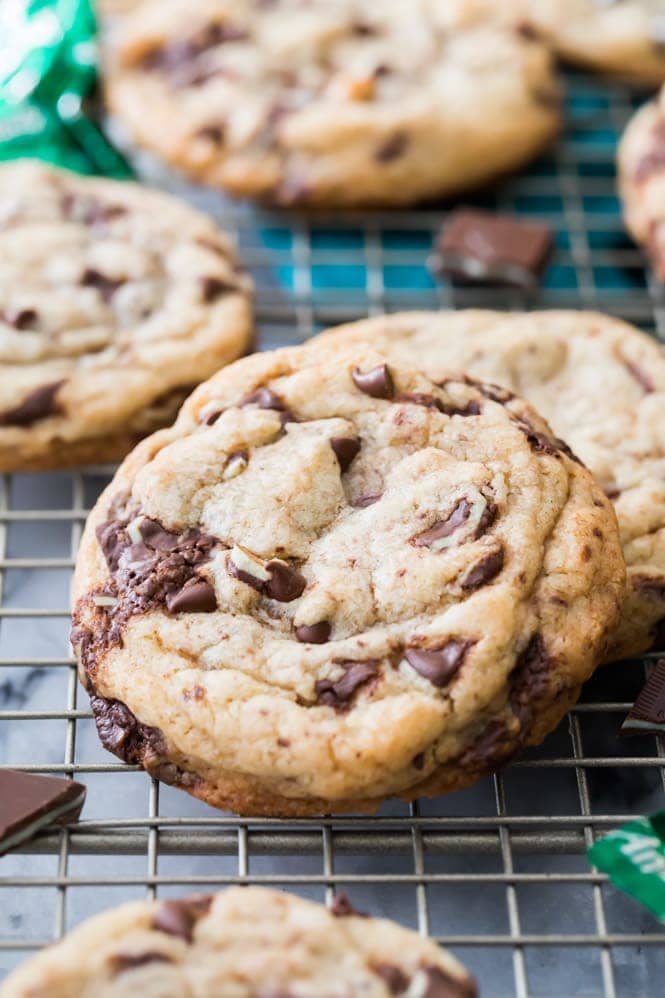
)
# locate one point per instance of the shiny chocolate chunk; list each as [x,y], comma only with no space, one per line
[483,248]
[196,596]
[647,715]
[340,693]
[20,318]
[444,528]
[314,634]
[38,404]
[29,803]
[486,570]
[376,382]
[345,448]
[178,918]
[529,681]
[266,398]
[105,285]
[285,583]
[439,665]
[122,734]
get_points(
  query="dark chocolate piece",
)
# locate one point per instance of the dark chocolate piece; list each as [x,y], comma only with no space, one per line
[266,398]
[122,734]
[493,249]
[178,918]
[20,318]
[486,570]
[376,382]
[362,502]
[122,962]
[341,907]
[647,715]
[29,803]
[285,583]
[213,288]
[529,680]
[441,984]
[444,528]
[393,147]
[107,286]
[314,634]
[441,664]
[345,448]
[196,596]
[39,404]
[340,693]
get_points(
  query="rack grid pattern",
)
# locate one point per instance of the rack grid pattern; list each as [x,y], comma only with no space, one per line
[497,873]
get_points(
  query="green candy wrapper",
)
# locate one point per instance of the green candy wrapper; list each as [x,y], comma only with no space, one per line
[48,67]
[634,859]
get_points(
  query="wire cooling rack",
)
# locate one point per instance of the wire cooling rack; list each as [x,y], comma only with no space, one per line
[497,873]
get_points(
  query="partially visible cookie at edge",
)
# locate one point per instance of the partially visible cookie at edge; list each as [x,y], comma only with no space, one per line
[115,302]
[243,942]
[624,39]
[335,581]
[601,385]
[641,170]
[312,102]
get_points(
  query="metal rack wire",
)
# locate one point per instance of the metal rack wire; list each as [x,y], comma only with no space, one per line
[497,873]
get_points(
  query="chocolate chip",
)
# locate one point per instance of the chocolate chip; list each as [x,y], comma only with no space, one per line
[213,288]
[529,680]
[122,962]
[441,984]
[266,398]
[38,404]
[642,377]
[393,147]
[314,634]
[439,665]
[345,448]
[178,918]
[106,286]
[493,249]
[174,57]
[486,570]
[341,907]
[214,133]
[242,576]
[363,501]
[394,979]
[647,715]
[158,537]
[339,694]
[444,528]
[418,761]
[376,382]
[122,734]
[20,318]
[285,583]
[196,596]
[362,29]
[537,441]
[113,540]
[470,408]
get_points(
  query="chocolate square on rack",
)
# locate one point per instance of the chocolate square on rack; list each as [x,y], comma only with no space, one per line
[647,715]
[481,248]
[29,803]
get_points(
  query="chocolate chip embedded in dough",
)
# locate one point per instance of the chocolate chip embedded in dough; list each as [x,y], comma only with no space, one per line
[484,571]
[285,583]
[338,694]
[393,148]
[178,918]
[20,318]
[214,288]
[196,596]
[393,977]
[377,382]
[38,404]
[105,285]
[120,963]
[439,665]
[341,907]
[314,634]
[346,449]
[266,398]
[444,528]
[369,500]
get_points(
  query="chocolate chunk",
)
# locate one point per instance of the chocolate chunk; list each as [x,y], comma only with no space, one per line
[285,583]
[178,918]
[314,634]
[537,441]
[647,715]
[393,147]
[440,984]
[471,408]
[244,576]
[341,907]
[394,979]
[376,382]
[529,680]
[484,248]
[444,528]
[122,962]
[439,665]
[196,596]
[214,133]
[642,377]
[20,318]
[107,286]
[492,748]
[113,540]
[266,398]
[340,693]
[39,404]
[345,448]
[418,761]
[122,734]
[363,501]
[213,288]
[29,803]
[362,29]
[486,570]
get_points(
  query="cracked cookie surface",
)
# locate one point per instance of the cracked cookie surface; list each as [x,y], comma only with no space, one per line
[335,581]
[244,942]
[115,301]
[599,382]
[313,101]
[622,37]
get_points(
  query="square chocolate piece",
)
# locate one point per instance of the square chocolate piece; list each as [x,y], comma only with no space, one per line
[647,715]
[481,248]
[29,803]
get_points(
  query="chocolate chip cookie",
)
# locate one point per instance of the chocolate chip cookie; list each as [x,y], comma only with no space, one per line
[601,385]
[622,37]
[312,102]
[335,580]
[115,301]
[244,942]
[641,164]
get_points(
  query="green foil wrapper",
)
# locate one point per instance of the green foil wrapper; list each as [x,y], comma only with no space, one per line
[48,71]
[633,857]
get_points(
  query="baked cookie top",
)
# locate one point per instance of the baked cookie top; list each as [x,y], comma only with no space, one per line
[331,101]
[601,385]
[641,165]
[333,575]
[240,943]
[623,37]
[115,301]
